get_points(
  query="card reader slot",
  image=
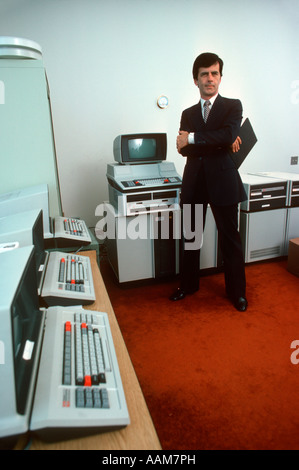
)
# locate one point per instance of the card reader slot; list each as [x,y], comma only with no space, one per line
[147,210]
[267,191]
[164,194]
[139,197]
[273,203]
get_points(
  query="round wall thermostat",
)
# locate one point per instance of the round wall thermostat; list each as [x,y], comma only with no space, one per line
[162,101]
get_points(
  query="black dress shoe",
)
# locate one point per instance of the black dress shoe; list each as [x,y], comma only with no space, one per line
[241,304]
[180,294]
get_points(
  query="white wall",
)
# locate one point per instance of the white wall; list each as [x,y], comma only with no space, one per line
[108,61]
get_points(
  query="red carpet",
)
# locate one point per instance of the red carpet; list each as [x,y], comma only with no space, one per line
[215,378]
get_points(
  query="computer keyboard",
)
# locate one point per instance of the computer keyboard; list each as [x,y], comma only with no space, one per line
[67,280]
[70,232]
[79,388]
[147,182]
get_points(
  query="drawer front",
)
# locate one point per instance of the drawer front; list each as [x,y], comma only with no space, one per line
[267,204]
[268,191]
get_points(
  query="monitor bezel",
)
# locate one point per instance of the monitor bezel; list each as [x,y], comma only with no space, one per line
[121,150]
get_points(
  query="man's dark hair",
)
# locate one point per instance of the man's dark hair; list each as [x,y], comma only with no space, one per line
[206,60]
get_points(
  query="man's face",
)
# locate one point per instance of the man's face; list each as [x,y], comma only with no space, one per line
[208,81]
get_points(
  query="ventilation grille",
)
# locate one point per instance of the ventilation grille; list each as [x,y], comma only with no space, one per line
[265,252]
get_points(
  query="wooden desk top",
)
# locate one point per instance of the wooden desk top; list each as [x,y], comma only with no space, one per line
[140,434]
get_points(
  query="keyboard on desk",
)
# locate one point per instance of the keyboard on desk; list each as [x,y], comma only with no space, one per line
[67,280]
[70,232]
[148,182]
[79,388]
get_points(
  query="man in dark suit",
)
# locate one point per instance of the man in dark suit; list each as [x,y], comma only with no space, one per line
[210,177]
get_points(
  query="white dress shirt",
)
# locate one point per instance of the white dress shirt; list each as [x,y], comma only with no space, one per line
[202,102]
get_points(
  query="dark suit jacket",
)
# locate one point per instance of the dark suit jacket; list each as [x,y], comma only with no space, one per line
[210,153]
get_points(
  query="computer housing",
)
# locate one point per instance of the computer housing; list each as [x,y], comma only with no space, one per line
[263,217]
[27,199]
[20,338]
[137,149]
[292,203]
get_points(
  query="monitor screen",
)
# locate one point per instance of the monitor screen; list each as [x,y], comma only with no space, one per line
[38,242]
[140,148]
[26,324]
[20,337]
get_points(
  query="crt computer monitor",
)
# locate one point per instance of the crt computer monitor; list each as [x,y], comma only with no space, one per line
[27,199]
[133,149]
[25,228]
[20,336]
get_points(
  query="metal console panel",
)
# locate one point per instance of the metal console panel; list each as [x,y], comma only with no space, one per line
[292,184]
[263,234]
[292,224]
[263,193]
[263,217]
[140,189]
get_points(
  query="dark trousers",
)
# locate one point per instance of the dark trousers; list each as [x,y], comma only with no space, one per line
[226,219]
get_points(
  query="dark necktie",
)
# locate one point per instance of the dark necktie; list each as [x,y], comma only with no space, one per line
[206,110]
